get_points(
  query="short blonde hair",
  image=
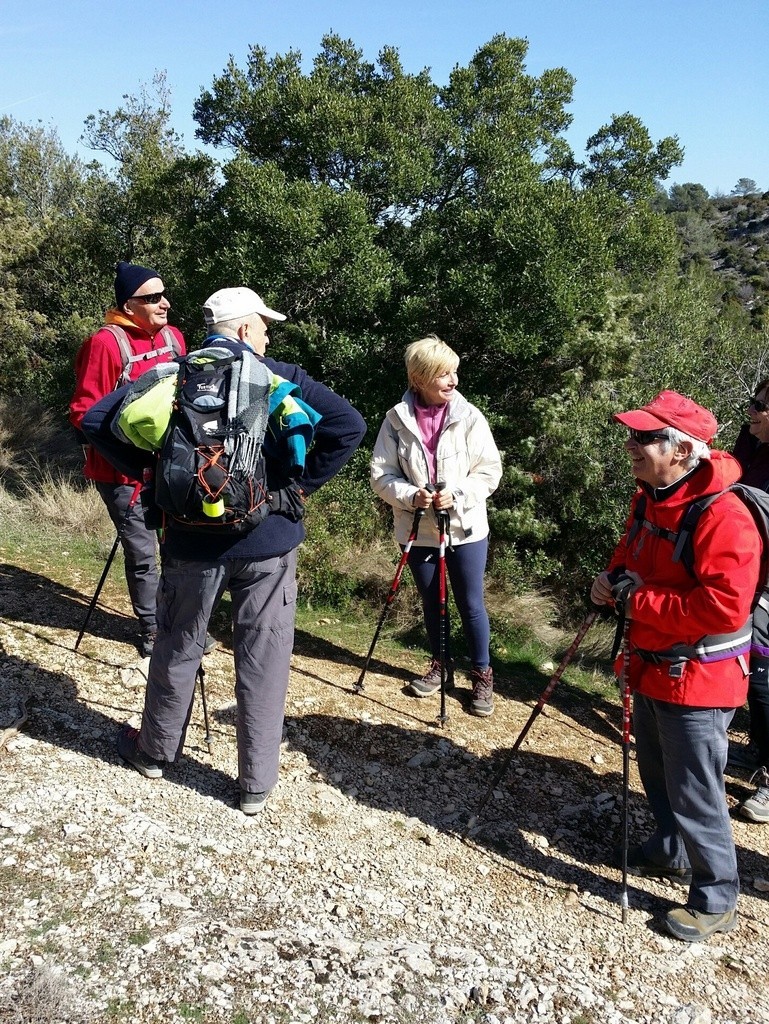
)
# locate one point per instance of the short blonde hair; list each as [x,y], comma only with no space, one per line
[426,359]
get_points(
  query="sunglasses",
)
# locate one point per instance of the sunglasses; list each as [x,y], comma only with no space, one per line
[644,437]
[150,300]
[758,406]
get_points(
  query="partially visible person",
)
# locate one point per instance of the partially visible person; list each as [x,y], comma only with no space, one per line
[135,337]
[435,436]
[259,570]
[689,640]
[752,452]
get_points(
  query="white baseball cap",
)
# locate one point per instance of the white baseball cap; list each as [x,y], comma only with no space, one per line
[234,304]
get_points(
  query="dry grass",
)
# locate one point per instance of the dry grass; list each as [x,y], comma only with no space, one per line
[532,613]
[42,998]
[52,499]
[31,436]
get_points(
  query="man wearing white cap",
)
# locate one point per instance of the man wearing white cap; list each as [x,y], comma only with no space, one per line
[259,570]
[687,649]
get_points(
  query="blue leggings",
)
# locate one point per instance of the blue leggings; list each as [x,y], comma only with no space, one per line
[465,566]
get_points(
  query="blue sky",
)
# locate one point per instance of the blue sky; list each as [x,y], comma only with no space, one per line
[697,69]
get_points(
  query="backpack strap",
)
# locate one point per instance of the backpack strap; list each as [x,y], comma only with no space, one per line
[641,522]
[708,648]
[129,357]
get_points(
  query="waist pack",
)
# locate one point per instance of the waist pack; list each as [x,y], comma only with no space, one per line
[753,637]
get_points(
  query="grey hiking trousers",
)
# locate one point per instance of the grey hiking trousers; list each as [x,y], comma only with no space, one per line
[681,754]
[263,596]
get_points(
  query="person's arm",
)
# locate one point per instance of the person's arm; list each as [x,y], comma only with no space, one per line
[387,475]
[97,370]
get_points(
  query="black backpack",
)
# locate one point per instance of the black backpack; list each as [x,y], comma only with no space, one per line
[757,501]
[211,472]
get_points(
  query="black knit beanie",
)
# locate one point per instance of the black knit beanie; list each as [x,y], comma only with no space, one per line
[128,278]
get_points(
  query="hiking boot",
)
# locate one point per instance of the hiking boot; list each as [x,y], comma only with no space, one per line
[756,807]
[252,803]
[147,643]
[639,864]
[128,748]
[743,755]
[209,644]
[431,681]
[482,703]
[695,925]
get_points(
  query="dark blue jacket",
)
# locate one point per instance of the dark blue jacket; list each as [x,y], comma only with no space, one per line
[337,435]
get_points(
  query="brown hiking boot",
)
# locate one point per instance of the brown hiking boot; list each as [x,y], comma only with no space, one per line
[431,681]
[483,697]
[692,925]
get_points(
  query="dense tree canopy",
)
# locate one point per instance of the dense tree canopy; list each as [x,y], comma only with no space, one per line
[373,206]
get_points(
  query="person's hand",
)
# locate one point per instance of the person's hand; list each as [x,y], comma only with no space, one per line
[600,592]
[423,498]
[443,500]
[289,501]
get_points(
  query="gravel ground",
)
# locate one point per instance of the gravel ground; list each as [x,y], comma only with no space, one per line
[352,897]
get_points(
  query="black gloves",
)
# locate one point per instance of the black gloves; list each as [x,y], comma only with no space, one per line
[288,501]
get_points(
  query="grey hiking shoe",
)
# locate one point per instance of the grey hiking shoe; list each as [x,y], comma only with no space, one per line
[430,682]
[756,807]
[482,703]
[691,925]
[209,644]
[252,803]
[128,748]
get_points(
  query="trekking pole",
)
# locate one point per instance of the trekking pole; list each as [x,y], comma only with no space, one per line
[625,761]
[443,529]
[587,622]
[207,737]
[391,595]
[110,558]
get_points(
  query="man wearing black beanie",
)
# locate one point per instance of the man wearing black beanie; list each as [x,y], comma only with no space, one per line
[135,337]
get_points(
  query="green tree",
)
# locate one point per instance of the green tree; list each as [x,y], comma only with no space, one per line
[745,187]
[689,197]
[379,205]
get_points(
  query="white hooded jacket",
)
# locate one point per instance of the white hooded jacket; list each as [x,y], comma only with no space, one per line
[467,461]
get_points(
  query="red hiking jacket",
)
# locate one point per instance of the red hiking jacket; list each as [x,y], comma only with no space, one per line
[98,367]
[673,607]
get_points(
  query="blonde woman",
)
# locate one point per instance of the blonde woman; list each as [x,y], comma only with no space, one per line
[433,436]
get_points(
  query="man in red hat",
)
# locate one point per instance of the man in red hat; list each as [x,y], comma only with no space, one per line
[689,641]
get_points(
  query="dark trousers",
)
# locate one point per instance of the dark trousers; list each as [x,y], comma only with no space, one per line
[465,568]
[758,704]
[139,551]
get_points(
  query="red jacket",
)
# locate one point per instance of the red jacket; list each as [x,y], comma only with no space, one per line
[674,607]
[98,367]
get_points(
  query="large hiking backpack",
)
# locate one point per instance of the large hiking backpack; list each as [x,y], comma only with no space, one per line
[129,357]
[211,473]
[711,648]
